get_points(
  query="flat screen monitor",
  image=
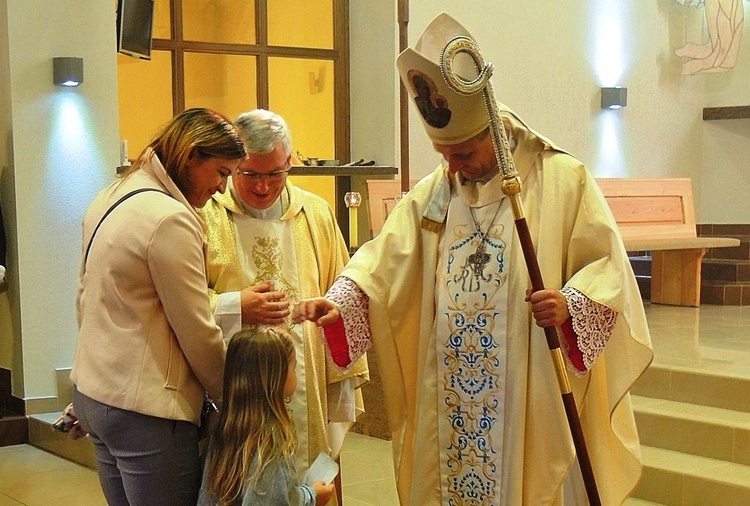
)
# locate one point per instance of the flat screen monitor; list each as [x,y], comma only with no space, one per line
[135,19]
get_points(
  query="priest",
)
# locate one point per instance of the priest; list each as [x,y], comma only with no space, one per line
[271,244]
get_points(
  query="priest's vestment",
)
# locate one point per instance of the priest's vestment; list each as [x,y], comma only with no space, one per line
[301,254]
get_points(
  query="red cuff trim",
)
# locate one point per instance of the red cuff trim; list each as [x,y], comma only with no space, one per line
[337,344]
[574,354]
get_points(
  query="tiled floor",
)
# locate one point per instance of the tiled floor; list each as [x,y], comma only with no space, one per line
[33,477]
[712,338]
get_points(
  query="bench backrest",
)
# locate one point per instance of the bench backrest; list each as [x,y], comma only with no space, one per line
[650,208]
[382,196]
[657,208]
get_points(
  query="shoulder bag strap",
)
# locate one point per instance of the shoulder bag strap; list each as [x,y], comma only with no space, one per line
[120,201]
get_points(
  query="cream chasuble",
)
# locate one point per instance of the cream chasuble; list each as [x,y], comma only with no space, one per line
[403,272]
[470,334]
[263,248]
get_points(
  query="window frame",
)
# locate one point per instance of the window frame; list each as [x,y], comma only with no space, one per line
[262,51]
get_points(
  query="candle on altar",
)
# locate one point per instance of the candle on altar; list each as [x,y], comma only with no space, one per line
[353,227]
[352,201]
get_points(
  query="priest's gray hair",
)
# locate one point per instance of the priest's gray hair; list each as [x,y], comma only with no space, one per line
[262,130]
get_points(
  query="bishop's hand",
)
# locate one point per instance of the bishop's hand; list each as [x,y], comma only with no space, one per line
[550,307]
[320,310]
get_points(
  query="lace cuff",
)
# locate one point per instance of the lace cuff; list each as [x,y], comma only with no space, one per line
[592,323]
[353,305]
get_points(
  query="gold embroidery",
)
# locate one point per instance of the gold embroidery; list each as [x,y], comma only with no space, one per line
[269,261]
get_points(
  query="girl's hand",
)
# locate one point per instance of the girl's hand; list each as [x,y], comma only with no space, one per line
[323,492]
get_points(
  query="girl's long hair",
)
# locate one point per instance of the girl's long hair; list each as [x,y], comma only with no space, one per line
[254,427]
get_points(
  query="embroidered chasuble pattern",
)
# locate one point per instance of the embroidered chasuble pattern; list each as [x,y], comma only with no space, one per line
[471,351]
[267,253]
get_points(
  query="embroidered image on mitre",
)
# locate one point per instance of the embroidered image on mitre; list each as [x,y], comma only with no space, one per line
[447,116]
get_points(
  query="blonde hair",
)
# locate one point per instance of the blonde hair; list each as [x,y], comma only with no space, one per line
[254,427]
[204,132]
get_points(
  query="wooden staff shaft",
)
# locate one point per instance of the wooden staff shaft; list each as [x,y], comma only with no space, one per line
[403,42]
[553,343]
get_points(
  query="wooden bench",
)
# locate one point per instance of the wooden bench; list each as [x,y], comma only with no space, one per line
[382,196]
[655,215]
[658,215]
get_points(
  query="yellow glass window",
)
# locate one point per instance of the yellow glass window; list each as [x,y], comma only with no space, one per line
[301,23]
[145,97]
[226,21]
[162,20]
[224,83]
[301,91]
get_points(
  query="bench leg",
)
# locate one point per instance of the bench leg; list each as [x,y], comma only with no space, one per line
[676,277]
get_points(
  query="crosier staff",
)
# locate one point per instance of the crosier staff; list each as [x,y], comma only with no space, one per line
[511,186]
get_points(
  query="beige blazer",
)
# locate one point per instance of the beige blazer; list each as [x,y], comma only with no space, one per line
[147,338]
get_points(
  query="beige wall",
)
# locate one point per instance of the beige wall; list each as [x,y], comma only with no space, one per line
[59,147]
[374,81]
[7,194]
[551,58]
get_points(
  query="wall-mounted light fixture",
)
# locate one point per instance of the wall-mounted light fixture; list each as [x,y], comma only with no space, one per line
[614,98]
[67,71]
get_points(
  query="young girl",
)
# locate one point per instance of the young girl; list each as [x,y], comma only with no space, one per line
[250,451]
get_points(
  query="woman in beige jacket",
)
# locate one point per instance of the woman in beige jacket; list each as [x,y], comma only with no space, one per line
[148,347]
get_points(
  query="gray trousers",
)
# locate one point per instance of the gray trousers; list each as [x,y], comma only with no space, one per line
[141,459]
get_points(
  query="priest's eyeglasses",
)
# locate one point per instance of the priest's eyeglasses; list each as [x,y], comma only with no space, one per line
[273,176]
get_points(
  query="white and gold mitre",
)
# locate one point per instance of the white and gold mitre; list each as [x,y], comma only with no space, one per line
[447,116]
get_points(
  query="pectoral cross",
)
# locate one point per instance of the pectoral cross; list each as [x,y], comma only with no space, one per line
[479,260]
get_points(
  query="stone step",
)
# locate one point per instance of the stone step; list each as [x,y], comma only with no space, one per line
[741,252]
[725,293]
[14,428]
[716,433]
[734,271]
[730,390]
[42,436]
[671,477]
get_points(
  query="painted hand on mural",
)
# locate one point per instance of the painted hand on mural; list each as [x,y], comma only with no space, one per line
[724,19]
